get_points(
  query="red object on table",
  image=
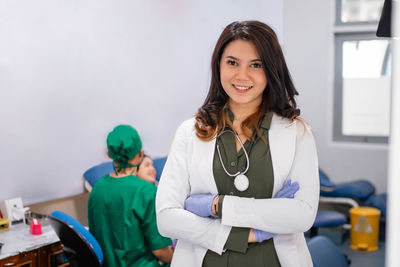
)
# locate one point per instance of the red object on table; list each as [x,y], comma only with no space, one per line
[36,227]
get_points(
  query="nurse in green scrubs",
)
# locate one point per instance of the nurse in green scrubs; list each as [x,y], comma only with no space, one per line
[122,208]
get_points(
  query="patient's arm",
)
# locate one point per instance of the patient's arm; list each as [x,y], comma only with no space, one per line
[163,254]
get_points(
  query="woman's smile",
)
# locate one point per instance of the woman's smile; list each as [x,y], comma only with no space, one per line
[242,88]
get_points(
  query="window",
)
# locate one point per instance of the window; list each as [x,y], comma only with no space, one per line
[362,74]
[356,11]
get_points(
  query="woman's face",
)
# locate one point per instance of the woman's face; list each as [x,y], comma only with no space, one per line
[242,73]
[147,171]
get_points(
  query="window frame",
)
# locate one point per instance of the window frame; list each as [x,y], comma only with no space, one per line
[340,38]
[349,31]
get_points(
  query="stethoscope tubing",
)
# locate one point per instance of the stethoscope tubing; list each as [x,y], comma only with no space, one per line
[245,153]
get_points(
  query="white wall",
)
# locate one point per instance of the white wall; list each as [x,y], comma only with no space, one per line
[72,70]
[309,47]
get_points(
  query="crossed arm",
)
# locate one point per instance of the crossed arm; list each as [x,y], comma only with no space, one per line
[277,215]
[206,205]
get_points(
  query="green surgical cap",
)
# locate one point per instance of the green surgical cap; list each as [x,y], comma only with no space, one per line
[123,144]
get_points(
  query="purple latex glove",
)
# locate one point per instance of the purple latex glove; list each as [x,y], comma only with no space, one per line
[200,204]
[287,191]
[262,236]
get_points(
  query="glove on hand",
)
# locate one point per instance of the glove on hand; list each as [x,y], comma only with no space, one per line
[287,191]
[262,236]
[200,204]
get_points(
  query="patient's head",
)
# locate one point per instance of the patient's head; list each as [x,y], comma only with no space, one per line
[146,170]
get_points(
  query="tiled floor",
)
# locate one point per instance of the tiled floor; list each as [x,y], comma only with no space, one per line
[364,259]
[358,258]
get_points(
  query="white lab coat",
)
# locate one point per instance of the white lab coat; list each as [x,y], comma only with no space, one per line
[188,170]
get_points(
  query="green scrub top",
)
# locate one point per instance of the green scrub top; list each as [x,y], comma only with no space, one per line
[239,252]
[122,218]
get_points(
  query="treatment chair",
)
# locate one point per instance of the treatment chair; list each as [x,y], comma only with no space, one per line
[335,202]
[343,196]
[337,199]
[325,253]
[93,174]
[80,246]
[328,219]
[159,166]
[358,190]
[353,194]
[377,201]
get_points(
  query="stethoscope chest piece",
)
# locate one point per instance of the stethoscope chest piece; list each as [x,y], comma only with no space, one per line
[241,182]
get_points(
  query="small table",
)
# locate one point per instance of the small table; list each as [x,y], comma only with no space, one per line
[20,246]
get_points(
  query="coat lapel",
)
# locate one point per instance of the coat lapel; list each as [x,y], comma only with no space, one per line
[282,143]
[202,163]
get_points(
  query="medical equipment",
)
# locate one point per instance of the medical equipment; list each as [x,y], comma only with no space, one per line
[241,181]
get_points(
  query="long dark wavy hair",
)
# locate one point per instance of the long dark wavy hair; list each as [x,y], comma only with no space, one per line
[278,96]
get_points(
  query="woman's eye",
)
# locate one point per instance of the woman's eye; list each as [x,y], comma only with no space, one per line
[232,62]
[256,65]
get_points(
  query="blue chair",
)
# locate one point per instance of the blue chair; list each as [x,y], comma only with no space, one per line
[80,246]
[328,219]
[93,174]
[353,194]
[159,166]
[339,197]
[325,253]
[378,201]
[343,196]
[358,190]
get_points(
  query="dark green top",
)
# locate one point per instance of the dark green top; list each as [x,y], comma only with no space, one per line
[122,218]
[238,251]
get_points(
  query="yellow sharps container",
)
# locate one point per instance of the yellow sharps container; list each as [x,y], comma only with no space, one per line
[364,228]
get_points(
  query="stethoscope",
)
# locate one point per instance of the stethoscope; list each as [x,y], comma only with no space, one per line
[241,181]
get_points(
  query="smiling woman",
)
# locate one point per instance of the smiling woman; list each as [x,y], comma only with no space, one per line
[254,55]
[240,185]
[242,75]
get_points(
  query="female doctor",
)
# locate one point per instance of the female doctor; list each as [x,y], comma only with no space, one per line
[240,185]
